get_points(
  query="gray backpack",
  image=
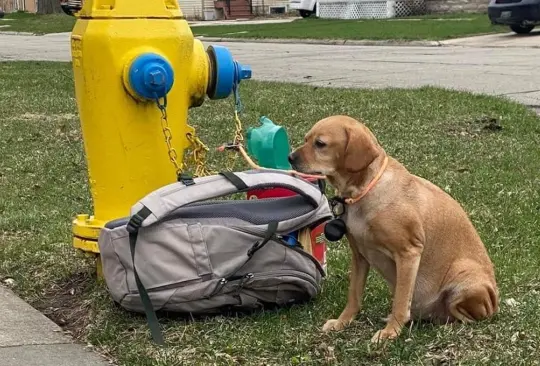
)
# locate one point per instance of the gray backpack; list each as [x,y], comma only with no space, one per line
[179,252]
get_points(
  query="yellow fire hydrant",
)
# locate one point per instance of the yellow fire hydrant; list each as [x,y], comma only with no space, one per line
[137,70]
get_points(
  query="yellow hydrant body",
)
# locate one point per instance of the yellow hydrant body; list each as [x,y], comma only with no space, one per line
[127,55]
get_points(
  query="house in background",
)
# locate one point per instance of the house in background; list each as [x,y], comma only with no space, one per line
[192,9]
[237,9]
[10,6]
[231,9]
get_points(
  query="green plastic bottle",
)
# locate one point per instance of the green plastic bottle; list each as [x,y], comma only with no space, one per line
[269,144]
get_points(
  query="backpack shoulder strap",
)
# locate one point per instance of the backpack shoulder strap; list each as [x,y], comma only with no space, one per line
[151,317]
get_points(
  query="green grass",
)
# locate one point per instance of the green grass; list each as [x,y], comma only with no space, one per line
[432,27]
[436,133]
[37,23]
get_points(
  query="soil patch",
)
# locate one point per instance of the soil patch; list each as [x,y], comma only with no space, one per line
[67,303]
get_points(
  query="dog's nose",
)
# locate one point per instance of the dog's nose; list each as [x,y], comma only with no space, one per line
[291,158]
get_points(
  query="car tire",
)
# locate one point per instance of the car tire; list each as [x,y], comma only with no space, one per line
[522,29]
[308,13]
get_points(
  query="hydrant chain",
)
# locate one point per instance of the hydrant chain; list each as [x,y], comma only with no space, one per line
[198,155]
[173,155]
[238,136]
[238,139]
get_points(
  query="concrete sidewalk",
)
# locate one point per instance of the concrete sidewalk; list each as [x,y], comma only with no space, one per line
[29,338]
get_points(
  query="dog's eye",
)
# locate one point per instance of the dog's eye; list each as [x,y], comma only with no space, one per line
[319,144]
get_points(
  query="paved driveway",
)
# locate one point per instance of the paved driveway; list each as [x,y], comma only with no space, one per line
[512,71]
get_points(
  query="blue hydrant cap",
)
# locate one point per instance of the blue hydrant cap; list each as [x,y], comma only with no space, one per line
[226,72]
[151,76]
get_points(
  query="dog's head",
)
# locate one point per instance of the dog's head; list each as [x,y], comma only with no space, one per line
[334,146]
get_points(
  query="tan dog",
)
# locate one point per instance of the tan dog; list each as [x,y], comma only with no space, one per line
[412,232]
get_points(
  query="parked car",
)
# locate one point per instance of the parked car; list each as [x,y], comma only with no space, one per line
[70,7]
[305,7]
[520,15]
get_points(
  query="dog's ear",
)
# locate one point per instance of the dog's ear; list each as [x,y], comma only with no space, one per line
[360,149]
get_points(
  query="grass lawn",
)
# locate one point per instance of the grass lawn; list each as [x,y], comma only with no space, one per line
[445,136]
[36,23]
[432,27]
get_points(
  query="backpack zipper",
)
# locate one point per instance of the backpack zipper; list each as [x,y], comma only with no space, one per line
[175,285]
[248,276]
[291,273]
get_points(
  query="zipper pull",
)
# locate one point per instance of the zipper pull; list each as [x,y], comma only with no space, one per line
[218,287]
[246,277]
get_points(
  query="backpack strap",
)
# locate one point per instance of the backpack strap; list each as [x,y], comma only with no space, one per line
[151,318]
[270,233]
[235,180]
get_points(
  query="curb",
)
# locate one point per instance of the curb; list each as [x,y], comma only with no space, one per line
[11,33]
[336,42]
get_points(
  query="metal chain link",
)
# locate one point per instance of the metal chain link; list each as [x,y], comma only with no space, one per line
[171,151]
[198,148]
[238,138]
[198,156]
[238,135]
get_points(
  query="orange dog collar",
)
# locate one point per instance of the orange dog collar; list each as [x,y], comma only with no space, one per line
[371,184]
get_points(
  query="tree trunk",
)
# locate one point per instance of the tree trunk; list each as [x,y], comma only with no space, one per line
[49,7]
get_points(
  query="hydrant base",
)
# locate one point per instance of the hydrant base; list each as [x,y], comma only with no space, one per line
[85,238]
[86,233]
[88,246]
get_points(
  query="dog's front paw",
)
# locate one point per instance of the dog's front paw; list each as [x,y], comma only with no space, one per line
[384,335]
[333,324]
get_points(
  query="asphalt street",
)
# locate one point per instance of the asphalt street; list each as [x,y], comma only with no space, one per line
[498,65]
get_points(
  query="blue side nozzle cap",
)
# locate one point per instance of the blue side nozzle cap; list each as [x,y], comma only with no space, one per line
[151,76]
[226,72]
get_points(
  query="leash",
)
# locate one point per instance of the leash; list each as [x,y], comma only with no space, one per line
[252,164]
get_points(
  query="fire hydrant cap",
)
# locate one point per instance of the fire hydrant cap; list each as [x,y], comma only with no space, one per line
[226,72]
[151,76]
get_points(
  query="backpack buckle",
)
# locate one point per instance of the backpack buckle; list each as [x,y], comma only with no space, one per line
[134,223]
[186,179]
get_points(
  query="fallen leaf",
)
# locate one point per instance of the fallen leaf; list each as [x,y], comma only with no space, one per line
[9,282]
[511,302]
